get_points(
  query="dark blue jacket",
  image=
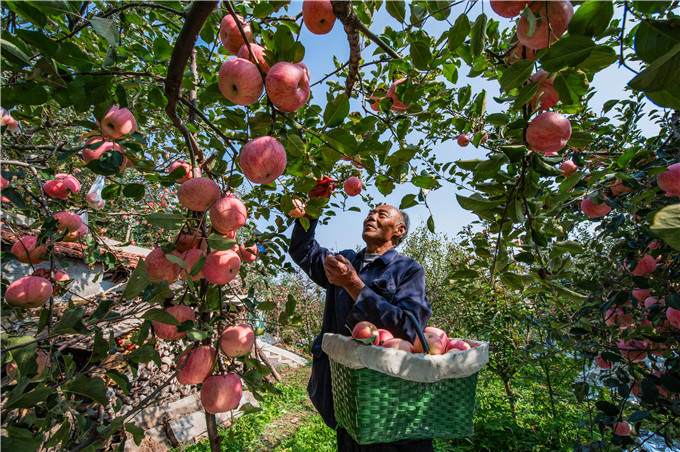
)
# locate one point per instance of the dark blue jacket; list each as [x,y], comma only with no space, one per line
[393,283]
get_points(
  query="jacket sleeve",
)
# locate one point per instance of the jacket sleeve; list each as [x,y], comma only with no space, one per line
[307,253]
[409,295]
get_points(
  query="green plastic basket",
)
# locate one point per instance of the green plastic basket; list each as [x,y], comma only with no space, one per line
[377,408]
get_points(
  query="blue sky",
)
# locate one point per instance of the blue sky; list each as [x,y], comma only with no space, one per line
[344,230]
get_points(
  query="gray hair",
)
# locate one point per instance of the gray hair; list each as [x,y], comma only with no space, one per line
[406,222]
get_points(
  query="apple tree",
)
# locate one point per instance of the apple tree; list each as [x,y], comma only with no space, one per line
[146,96]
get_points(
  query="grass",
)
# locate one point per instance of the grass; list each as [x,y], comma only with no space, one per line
[290,423]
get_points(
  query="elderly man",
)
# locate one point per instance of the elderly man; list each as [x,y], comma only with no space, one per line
[376,284]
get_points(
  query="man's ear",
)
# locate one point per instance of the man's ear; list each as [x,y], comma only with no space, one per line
[400,230]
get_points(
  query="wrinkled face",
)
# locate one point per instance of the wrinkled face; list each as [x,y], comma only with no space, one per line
[381,224]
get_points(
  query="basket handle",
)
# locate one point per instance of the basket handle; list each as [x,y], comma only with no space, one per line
[419,330]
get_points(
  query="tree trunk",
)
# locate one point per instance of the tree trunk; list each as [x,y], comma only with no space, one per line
[213,435]
[511,395]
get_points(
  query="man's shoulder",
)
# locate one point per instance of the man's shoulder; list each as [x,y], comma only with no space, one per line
[405,261]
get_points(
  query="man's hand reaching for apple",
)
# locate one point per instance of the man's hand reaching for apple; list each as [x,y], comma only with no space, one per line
[340,272]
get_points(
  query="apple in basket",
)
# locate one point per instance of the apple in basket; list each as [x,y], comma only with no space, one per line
[435,343]
[399,344]
[383,335]
[438,332]
[366,333]
[456,345]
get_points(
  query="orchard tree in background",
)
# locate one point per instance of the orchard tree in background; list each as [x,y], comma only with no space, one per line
[212,102]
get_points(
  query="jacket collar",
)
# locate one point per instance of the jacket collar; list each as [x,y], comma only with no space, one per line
[386,257]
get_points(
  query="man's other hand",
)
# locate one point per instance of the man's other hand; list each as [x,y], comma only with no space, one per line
[340,272]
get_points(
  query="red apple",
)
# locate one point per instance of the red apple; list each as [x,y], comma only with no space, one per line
[118,122]
[670,180]
[634,350]
[258,51]
[159,268]
[621,428]
[263,160]
[190,257]
[221,266]
[318,16]
[26,251]
[568,168]
[91,153]
[352,186]
[182,313]
[6,119]
[439,332]
[61,185]
[221,393]
[673,316]
[594,210]
[59,276]
[618,317]
[231,36]
[397,104]
[548,132]
[547,31]
[463,140]
[641,294]
[384,335]
[198,194]
[239,81]
[42,359]
[456,345]
[435,343]
[29,292]
[237,340]
[366,330]
[546,96]
[75,236]
[228,214]
[247,254]
[95,201]
[199,364]
[287,86]
[399,344]
[601,363]
[188,173]
[508,8]
[68,220]
[645,265]
[618,188]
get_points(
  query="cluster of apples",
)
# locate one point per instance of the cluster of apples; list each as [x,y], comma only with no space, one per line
[240,81]
[436,339]
[219,393]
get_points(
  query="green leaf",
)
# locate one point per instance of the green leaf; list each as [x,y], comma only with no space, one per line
[397,9]
[134,191]
[137,433]
[106,28]
[653,39]
[569,246]
[567,52]
[218,242]
[71,322]
[580,139]
[515,75]
[266,306]
[294,146]
[166,220]
[430,224]
[525,94]
[111,192]
[427,182]
[652,6]
[13,49]
[607,408]
[571,86]
[28,399]
[464,274]
[160,316]
[336,110]
[144,354]
[421,55]
[120,379]
[459,32]
[591,18]
[498,119]
[667,225]
[662,74]
[600,58]
[91,387]
[408,201]
[638,415]
[569,294]
[137,282]
[478,35]
[670,99]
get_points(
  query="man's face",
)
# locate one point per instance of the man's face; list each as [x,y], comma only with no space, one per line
[381,224]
